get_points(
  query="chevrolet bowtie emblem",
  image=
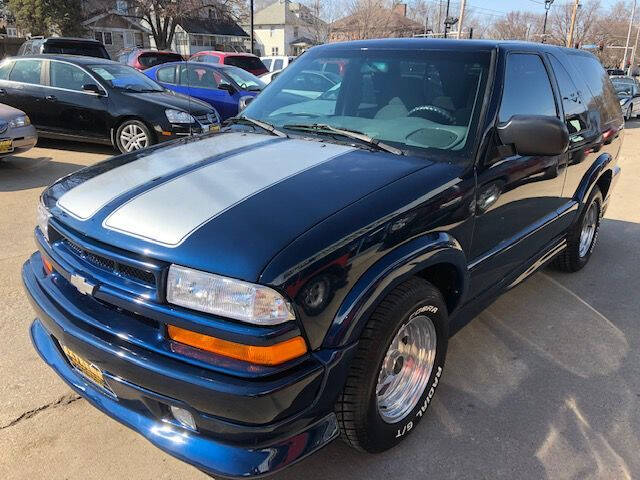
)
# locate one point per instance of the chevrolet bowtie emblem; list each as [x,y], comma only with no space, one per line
[81,283]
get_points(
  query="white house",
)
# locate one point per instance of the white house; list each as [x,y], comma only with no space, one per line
[284,28]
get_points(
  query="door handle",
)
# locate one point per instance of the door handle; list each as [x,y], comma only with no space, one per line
[51,98]
[3,91]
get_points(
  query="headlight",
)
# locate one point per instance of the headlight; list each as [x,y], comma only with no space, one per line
[178,116]
[43,216]
[226,297]
[244,101]
[21,121]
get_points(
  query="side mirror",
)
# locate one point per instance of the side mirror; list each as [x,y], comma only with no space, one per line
[535,135]
[92,88]
[228,87]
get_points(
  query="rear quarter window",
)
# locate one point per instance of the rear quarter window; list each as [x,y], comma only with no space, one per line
[599,85]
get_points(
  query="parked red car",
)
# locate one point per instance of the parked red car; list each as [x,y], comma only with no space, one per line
[142,59]
[246,61]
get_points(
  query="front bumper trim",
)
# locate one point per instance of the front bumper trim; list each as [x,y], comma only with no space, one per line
[207,454]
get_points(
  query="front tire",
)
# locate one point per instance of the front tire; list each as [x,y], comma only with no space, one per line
[583,236]
[397,367]
[133,135]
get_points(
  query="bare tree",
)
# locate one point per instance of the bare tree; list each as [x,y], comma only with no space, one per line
[586,20]
[320,15]
[163,16]
[517,26]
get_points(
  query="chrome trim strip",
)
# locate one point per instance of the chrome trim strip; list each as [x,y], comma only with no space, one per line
[170,212]
[85,200]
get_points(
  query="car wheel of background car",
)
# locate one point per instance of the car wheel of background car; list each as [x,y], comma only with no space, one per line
[133,135]
[316,294]
[583,236]
[396,369]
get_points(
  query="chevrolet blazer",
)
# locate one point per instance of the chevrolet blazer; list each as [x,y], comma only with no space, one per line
[243,298]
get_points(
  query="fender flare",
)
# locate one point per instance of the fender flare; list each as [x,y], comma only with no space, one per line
[600,166]
[396,266]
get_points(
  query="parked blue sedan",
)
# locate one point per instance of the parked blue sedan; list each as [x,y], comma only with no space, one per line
[227,88]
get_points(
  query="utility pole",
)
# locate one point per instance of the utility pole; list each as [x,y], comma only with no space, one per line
[251,22]
[446,25]
[633,14]
[461,19]
[547,6]
[633,53]
[573,23]
[440,15]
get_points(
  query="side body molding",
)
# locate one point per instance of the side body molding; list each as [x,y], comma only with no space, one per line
[391,270]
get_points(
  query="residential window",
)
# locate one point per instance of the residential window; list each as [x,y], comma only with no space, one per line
[12,32]
[104,37]
[193,39]
[296,31]
[272,30]
[138,39]
[274,51]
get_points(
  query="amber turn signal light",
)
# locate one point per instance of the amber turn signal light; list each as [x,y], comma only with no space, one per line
[48,266]
[260,355]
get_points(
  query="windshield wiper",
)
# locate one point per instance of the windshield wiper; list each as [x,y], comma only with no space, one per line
[264,125]
[363,137]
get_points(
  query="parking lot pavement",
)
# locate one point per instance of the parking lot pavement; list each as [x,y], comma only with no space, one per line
[544,384]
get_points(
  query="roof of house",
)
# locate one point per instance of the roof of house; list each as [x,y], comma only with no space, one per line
[376,18]
[283,12]
[212,26]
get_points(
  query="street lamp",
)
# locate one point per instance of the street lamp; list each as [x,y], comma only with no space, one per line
[547,6]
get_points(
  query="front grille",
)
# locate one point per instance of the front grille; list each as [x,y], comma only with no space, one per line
[111,266]
[205,118]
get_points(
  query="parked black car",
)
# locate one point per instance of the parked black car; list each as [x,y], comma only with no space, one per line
[97,100]
[241,300]
[63,45]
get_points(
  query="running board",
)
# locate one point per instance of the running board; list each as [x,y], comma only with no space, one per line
[540,262]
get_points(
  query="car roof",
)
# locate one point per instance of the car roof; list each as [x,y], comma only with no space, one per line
[445,44]
[226,54]
[217,66]
[77,59]
[70,39]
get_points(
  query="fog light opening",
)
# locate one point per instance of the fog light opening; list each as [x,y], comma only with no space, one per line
[183,417]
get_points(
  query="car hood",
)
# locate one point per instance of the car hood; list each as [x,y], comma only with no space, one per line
[170,99]
[227,203]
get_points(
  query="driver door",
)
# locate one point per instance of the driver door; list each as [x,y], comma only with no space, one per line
[517,196]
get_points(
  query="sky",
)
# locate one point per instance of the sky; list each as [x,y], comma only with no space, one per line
[490,7]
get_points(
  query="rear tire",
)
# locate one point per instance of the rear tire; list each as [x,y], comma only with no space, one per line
[583,236]
[396,369]
[133,135]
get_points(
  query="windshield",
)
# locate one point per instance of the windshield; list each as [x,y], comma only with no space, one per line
[125,78]
[411,99]
[148,60]
[244,79]
[245,61]
[624,87]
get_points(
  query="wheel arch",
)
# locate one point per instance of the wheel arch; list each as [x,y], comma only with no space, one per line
[600,174]
[120,120]
[436,257]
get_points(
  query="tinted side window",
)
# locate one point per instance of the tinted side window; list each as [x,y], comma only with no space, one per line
[599,84]
[575,111]
[5,68]
[267,63]
[65,75]
[527,90]
[27,71]
[198,77]
[166,75]
[278,64]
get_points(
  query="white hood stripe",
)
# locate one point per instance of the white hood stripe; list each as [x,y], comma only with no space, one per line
[168,213]
[88,198]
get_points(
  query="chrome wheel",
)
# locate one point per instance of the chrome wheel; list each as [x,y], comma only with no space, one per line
[133,137]
[589,226]
[406,369]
